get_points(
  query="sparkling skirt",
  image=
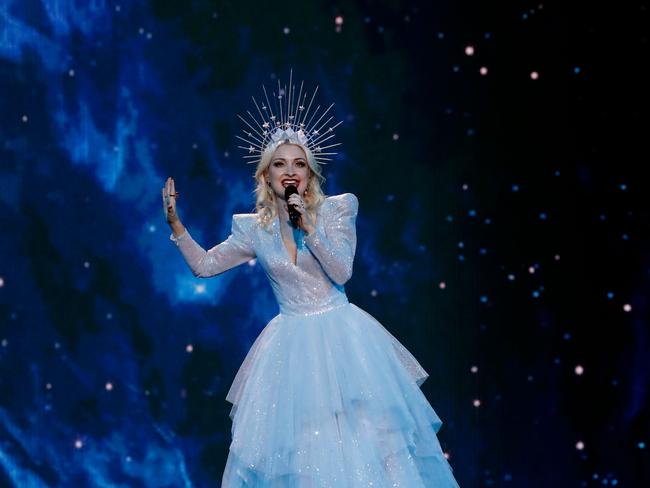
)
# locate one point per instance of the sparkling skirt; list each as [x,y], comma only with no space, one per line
[332,399]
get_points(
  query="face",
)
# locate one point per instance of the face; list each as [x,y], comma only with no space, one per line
[288,166]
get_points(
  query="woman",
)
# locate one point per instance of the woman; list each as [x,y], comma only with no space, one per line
[326,396]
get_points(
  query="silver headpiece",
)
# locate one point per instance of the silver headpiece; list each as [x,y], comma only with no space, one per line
[289,123]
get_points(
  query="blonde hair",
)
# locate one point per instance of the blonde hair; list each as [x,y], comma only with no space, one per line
[265,201]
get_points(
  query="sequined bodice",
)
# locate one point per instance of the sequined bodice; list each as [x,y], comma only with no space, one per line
[323,264]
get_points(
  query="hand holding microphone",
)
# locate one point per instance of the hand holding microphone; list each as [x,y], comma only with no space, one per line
[294,215]
[296,208]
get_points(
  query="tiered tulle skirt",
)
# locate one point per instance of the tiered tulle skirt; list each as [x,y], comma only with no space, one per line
[332,399]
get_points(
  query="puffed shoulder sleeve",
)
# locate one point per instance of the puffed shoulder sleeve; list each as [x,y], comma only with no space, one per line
[235,250]
[334,243]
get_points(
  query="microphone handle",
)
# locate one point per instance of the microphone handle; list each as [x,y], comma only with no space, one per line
[294,216]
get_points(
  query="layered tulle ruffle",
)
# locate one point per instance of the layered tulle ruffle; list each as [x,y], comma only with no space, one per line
[332,399]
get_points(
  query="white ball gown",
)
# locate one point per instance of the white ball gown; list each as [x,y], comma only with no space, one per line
[326,396]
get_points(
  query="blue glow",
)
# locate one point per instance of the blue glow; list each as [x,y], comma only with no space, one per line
[104,100]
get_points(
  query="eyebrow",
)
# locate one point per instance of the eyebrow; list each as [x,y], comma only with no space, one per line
[284,159]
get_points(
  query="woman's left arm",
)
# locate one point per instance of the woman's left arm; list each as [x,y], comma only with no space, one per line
[335,247]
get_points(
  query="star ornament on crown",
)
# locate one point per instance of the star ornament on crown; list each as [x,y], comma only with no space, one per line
[286,117]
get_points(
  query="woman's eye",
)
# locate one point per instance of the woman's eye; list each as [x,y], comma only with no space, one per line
[277,163]
[301,164]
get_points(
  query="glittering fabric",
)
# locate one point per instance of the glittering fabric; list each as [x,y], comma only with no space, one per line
[326,396]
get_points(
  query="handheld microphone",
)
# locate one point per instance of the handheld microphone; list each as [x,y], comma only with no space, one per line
[294,215]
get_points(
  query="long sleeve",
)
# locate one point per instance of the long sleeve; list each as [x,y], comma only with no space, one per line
[335,247]
[235,250]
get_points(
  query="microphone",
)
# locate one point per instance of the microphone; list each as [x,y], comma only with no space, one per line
[294,215]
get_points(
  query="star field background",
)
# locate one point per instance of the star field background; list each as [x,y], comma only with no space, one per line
[496,151]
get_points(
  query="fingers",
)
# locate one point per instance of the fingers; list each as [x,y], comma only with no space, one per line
[167,207]
[170,188]
[167,195]
[165,202]
[297,201]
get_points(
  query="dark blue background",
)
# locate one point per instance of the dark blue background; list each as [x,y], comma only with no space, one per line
[521,196]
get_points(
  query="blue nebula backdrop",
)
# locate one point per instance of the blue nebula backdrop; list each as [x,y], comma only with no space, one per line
[502,232]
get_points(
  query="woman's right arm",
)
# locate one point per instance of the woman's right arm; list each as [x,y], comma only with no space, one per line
[235,250]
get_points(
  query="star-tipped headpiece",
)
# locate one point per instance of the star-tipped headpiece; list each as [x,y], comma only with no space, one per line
[284,117]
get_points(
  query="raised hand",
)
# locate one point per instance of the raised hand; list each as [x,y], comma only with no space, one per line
[169,197]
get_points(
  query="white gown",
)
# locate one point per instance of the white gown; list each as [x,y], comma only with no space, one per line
[326,396]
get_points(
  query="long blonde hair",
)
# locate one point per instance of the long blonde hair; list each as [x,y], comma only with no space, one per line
[265,201]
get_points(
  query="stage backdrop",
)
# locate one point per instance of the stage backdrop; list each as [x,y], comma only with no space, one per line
[502,236]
